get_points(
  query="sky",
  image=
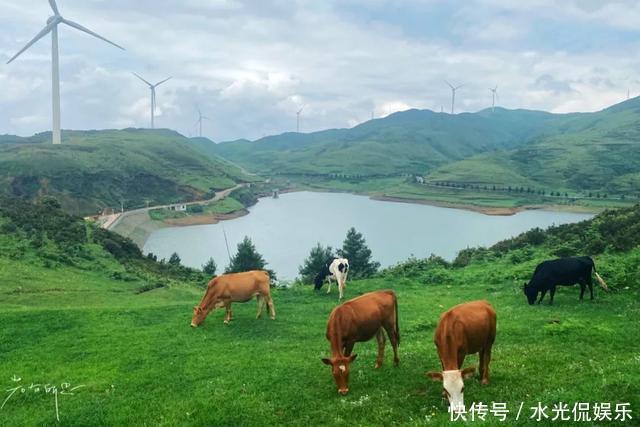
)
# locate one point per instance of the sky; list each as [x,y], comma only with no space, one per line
[249,65]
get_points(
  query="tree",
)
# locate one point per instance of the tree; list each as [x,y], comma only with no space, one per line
[210,267]
[356,251]
[247,258]
[175,260]
[318,256]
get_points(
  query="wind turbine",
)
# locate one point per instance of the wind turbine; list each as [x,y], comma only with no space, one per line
[494,92]
[153,97]
[453,94]
[298,119]
[52,27]
[200,119]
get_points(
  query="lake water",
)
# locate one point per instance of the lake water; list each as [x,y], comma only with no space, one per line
[285,229]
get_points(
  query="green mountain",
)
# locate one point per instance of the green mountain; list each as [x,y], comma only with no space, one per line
[589,152]
[412,141]
[96,169]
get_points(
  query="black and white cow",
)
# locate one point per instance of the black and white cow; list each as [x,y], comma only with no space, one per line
[561,272]
[337,269]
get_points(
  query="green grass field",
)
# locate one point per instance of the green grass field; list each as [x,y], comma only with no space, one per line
[141,364]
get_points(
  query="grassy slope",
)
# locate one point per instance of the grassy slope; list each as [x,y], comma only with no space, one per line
[142,364]
[95,169]
[408,142]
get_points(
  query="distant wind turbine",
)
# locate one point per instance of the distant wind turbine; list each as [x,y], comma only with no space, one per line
[298,119]
[199,121]
[153,97]
[453,95]
[52,27]
[494,92]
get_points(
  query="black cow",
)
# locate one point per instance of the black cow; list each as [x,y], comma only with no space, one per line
[561,272]
[322,274]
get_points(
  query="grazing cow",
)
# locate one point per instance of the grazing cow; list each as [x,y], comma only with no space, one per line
[467,328]
[338,269]
[359,320]
[234,287]
[561,272]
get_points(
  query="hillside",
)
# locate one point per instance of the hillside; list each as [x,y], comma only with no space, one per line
[96,169]
[593,152]
[86,309]
[578,153]
[412,141]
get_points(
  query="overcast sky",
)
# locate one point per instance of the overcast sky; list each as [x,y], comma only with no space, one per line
[251,64]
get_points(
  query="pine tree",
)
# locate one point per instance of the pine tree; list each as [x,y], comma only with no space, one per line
[247,258]
[175,260]
[210,267]
[318,256]
[356,251]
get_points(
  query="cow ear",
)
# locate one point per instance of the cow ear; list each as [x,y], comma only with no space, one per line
[352,357]
[468,372]
[435,376]
[326,361]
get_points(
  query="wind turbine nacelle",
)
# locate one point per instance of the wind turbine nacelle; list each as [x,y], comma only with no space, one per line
[54,18]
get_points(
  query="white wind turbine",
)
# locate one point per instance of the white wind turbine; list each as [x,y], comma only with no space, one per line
[453,94]
[494,92]
[153,97]
[199,121]
[298,119]
[52,27]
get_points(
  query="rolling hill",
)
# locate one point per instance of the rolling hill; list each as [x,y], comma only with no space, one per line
[96,169]
[581,152]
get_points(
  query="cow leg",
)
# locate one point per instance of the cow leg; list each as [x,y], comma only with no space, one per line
[582,288]
[552,292]
[485,358]
[395,341]
[590,287]
[272,308]
[340,289]
[227,315]
[348,348]
[261,302]
[329,287]
[380,339]
[544,292]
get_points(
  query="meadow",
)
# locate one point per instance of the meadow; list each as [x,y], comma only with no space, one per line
[141,363]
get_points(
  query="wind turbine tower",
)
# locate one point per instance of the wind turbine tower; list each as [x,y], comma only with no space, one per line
[494,93]
[52,27]
[298,119]
[453,95]
[153,97]
[199,121]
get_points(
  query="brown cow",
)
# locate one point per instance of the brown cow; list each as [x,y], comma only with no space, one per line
[234,287]
[467,328]
[359,320]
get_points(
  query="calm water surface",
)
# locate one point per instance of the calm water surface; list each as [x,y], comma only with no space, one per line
[285,229]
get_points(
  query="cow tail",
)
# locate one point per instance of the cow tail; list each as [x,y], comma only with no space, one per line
[395,307]
[600,280]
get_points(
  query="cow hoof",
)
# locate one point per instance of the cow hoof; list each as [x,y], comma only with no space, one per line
[396,363]
[273,318]
[484,382]
[378,365]
[226,322]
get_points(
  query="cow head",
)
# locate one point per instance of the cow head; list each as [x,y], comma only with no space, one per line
[530,292]
[340,371]
[453,385]
[199,313]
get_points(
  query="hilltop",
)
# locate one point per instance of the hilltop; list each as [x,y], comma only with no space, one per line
[92,170]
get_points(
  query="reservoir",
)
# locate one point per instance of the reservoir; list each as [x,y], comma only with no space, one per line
[285,229]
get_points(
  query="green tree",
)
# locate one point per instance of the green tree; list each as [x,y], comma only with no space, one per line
[210,267]
[356,251]
[247,258]
[314,263]
[174,260]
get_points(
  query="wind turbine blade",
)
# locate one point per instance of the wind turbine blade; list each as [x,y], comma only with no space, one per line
[300,110]
[458,87]
[142,79]
[88,31]
[54,7]
[40,35]
[450,85]
[159,83]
